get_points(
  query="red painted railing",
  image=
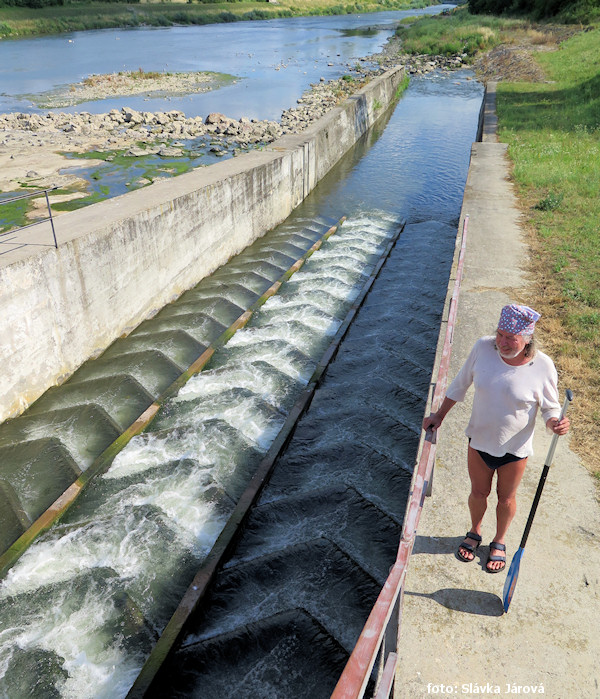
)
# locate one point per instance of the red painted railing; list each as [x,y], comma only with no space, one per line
[385,615]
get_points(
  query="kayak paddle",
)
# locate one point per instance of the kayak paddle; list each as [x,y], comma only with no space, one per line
[513,572]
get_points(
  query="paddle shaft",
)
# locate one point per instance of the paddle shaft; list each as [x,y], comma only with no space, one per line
[547,464]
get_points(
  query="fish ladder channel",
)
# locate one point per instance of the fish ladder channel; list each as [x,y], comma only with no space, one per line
[85,604]
[284,612]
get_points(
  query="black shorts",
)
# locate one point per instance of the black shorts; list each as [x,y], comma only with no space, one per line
[495,462]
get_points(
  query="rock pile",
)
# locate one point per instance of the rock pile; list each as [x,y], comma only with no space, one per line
[122,128]
[27,139]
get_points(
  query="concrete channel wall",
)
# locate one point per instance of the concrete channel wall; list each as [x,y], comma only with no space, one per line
[121,260]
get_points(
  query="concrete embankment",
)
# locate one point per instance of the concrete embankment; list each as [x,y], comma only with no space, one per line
[455,639]
[119,261]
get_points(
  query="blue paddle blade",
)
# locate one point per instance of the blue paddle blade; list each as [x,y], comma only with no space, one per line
[511,579]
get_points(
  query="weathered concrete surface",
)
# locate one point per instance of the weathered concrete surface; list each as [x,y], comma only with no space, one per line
[455,639]
[121,260]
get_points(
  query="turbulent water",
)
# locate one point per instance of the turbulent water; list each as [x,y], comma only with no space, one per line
[82,608]
[87,601]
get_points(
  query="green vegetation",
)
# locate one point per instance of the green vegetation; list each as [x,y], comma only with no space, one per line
[553,132]
[19,18]
[568,11]
[402,86]
[455,33]
[13,214]
[138,74]
[125,174]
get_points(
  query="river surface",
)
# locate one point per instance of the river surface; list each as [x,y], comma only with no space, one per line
[81,609]
[274,61]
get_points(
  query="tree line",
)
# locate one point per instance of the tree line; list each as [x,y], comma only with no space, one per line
[536,9]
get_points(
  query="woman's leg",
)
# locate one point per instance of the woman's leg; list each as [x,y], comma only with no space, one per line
[509,477]
[481,485]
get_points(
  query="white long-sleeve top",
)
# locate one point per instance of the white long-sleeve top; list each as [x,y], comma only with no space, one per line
[506,398]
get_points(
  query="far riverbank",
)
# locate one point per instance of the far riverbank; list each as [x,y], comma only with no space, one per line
[19,22]
[34,148]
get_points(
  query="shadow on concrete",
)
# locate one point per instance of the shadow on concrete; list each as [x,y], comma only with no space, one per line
[449,545]
[440,544]
[467,601]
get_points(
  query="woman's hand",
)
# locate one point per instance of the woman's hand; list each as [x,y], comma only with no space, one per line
[557,426]
[432,422]
[435,419]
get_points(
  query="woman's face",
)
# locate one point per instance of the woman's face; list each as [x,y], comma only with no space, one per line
[509,345]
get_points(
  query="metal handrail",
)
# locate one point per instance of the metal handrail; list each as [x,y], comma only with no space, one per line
[30,195]
[386,614]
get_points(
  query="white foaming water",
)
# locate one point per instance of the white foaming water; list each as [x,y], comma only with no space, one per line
[166,492]
[240,408]
[90,656]
[258,378]
[297,334]
[122,540]
[148,451]
[309,315]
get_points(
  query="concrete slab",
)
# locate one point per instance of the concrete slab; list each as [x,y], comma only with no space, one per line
[455,639]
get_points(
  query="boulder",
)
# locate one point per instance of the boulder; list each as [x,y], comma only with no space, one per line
[136,152]
[167,152]
[131,116]
[217,118]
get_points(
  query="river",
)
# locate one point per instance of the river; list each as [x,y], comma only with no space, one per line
[274,61]
[80,610]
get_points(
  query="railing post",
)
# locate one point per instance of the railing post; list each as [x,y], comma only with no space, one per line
[50,217]
[30,195]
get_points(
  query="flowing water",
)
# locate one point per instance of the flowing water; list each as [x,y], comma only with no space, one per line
[84,605]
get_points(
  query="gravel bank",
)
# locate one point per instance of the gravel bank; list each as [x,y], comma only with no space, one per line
[31,144]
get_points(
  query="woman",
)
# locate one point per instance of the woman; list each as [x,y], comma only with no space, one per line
[511,380]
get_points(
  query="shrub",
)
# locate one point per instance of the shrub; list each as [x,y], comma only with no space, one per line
[550,202]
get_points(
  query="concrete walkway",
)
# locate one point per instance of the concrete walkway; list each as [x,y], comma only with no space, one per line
[455,638]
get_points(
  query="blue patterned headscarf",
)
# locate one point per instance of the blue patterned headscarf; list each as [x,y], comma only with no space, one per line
[518,320]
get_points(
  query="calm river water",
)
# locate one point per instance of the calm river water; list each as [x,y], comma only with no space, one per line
[274,61]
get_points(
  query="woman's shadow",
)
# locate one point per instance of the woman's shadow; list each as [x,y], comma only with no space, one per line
[457,599]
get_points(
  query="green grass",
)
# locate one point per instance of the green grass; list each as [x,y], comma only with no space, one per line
[553,132]
[454,33]
[402,86]
[13,214]
[17,22]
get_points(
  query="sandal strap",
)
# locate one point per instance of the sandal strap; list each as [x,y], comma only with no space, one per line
[497,558]
[498,547]
[467,547]
[474,536]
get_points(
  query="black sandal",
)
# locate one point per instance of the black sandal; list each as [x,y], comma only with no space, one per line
[502,559]
[469,547]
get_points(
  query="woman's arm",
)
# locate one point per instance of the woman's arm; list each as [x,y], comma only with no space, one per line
[434,420]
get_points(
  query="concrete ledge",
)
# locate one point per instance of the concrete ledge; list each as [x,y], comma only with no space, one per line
[120,261]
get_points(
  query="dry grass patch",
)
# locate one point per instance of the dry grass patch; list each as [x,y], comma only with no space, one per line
[545,295]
